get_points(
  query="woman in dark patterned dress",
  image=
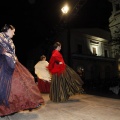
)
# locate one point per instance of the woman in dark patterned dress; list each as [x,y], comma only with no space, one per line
[65,81]
[18,90]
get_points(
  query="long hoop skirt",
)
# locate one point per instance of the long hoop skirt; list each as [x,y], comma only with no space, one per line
[24,92]
[65,85]
[44,86]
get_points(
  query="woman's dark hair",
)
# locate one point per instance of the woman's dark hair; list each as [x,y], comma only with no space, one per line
[42,57]
[56,45]
[7,27]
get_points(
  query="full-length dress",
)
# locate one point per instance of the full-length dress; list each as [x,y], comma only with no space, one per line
[18,90]
[65,81]
[43,76]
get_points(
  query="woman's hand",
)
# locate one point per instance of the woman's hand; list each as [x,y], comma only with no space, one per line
[4,51]
[60,63]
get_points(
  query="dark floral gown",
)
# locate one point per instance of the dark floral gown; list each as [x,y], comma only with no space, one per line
[18,90]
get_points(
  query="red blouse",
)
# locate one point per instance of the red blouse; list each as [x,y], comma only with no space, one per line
[54,66]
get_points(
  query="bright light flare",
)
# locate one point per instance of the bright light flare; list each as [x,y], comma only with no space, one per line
[65,9]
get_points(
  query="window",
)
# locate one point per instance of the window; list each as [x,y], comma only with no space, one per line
[107,72]
[106,54]
[80,49]
[117,7]
[94,51]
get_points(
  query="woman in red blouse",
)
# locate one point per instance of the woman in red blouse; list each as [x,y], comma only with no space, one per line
[65,81]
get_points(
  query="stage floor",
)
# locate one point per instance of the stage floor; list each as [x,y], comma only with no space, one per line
[79,107]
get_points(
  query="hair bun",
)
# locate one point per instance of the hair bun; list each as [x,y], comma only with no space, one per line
[5,28]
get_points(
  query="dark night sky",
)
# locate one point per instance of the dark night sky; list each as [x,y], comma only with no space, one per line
[38,21]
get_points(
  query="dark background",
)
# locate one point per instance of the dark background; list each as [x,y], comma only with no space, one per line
[37,22]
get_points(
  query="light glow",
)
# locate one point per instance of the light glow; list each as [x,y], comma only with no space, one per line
[65,9]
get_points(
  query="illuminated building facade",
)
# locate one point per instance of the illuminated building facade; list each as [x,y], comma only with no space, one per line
[91,50]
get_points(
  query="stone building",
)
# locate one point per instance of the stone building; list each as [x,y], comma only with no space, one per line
[90,50]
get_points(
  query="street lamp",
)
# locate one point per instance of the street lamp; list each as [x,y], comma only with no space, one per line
[65,9]
[72,10]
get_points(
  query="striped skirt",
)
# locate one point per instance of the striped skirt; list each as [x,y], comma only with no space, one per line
[65,85]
